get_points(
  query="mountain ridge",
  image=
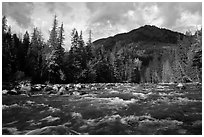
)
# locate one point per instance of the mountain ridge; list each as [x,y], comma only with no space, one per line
[148,33]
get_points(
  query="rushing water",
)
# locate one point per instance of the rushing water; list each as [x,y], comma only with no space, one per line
[107,109]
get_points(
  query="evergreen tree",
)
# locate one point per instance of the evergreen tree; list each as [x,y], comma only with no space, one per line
[15,53]
[81,51]
[74,64]
[6,52]
[54,59]
[59,49]
[135,75]
[89,48]
[52,67]
[4,25]
[24,50]
[53,40]
[34,56]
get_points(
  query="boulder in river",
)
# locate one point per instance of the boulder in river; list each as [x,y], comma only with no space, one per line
[180,86]
[56,87]
[4,92]
[61,91]
[13,92]
[37,87]
[47,88]
[26,88]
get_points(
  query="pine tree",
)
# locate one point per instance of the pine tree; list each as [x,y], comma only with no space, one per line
[74,41]
[61,36]
[89,48]
[6,50]
[34,56]
[54,60]
[53,40]
[24,50]
[74,56]
[4,25]
[81,51]
[59,48]
[135,75]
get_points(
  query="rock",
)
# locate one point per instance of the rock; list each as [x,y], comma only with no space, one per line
[51,130]
[47,88]
[55,87]
[30,102]
[140,95]
[83,86]
[51,109]
[83,127]
[114,91]
[50,119]
[26,88]
[13,92]
[76,93]
[68,85]
[94,88]
[61,91]
[76,115]
[4,92]
[37,87]
[180,86]
[78,85]
[52,92]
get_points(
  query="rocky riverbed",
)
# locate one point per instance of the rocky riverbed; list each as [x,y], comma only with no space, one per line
[103,108]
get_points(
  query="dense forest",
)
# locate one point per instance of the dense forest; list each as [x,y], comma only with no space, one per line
[144,55]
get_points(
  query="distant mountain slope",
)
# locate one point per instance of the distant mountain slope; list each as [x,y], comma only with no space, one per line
[149,54]
[145,33]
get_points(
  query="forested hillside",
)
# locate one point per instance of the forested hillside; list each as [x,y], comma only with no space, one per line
[151,54]
[147,54]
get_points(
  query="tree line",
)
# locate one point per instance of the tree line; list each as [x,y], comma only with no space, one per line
[32,58]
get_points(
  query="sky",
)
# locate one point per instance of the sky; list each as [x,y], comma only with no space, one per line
[104,19]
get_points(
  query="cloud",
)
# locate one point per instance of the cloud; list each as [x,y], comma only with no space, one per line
[108,18]
[103,18]
[171,12]
[19,11]
[58,7]
[193,7]
[102,12]
[116,17]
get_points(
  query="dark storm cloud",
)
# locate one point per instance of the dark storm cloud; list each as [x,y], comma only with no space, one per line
[20,12]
